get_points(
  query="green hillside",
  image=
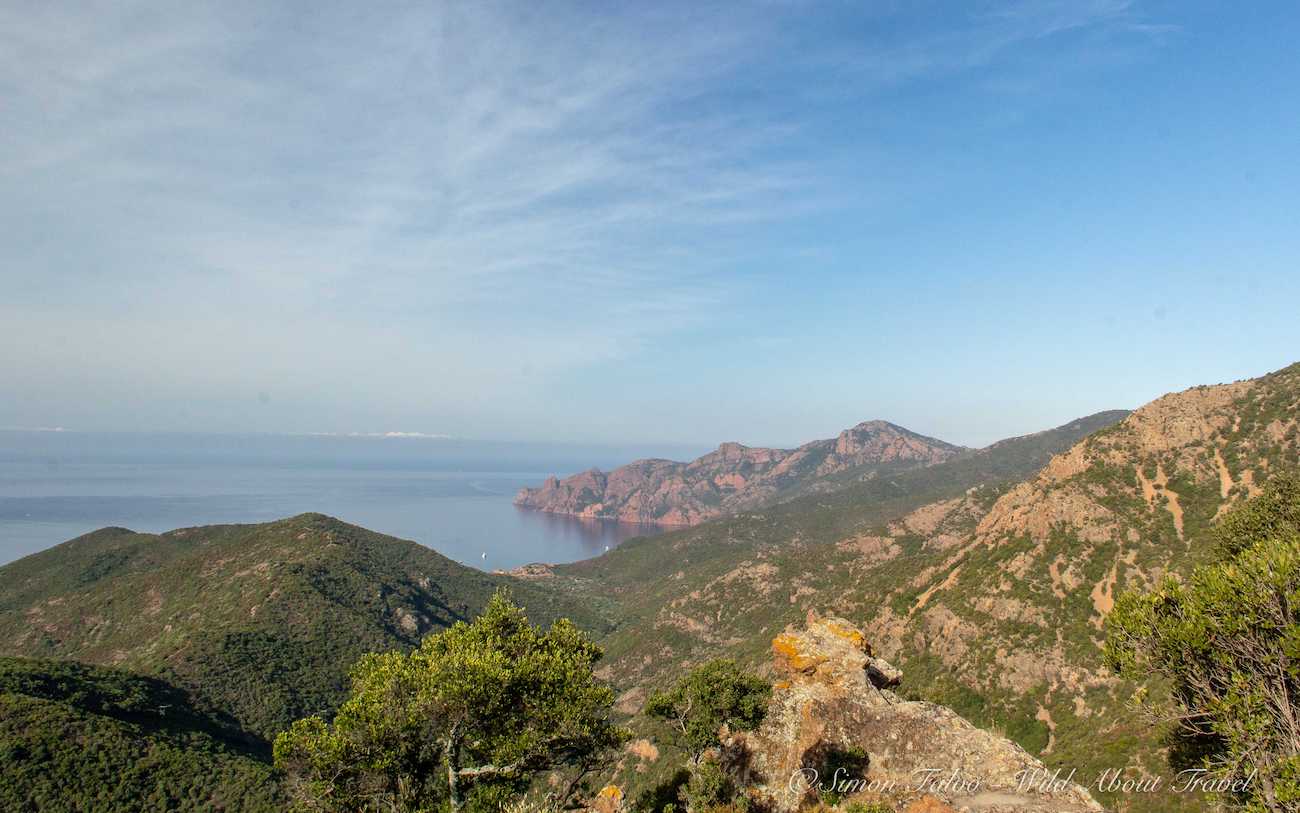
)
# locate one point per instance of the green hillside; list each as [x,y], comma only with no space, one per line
[80,738]
[260,621]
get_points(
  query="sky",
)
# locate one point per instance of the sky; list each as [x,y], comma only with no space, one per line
[659,222]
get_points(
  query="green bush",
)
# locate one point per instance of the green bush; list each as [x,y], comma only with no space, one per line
[713,695]
[709,787]
[468,719]
[1228,642]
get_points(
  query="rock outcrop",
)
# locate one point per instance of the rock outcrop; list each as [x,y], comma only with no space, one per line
[734,477]
[832,696]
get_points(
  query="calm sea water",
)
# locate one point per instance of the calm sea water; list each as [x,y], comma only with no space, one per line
[453,496]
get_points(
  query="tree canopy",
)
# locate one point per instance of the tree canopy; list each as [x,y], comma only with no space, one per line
[470,717]
[712,695]
[1227,640]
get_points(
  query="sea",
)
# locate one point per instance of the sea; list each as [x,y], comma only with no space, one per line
[452,495]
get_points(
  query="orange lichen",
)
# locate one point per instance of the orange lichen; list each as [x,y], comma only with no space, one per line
[786,645]
[849,634]
[608,800]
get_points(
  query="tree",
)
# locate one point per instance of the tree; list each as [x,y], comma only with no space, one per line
[471,716]
[1227,640]
[712,695]
[709,787]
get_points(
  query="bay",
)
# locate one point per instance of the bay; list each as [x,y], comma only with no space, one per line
[454,496]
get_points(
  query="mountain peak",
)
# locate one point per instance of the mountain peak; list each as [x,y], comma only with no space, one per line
[874,425]
[735,477]
[883,441]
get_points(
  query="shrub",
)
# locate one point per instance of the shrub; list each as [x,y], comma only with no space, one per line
[1228,642]
[468,718]
[713,695]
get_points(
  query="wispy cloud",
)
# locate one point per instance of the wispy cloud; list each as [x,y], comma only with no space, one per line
[223,194]
[411,162]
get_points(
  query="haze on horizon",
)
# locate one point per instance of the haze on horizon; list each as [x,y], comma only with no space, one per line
[765,222]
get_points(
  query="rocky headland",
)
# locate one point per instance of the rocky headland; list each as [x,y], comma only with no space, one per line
[734,477]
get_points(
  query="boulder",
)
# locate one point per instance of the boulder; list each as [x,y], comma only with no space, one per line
[832,698]
[883,674]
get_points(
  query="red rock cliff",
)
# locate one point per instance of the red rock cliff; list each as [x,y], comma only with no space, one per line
[734,477]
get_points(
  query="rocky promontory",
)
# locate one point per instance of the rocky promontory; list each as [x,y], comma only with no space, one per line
[734,477]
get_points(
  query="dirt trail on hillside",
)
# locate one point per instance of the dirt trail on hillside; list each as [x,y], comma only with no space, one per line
[1160,485]
[1225,476]
[924,598]
[1045,717]
[1103,595]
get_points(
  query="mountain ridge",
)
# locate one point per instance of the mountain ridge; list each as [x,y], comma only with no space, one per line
[990,593]
[734,477]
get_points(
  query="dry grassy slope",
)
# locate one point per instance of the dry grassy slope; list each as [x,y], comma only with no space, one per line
[990,600]
[1117,511]
[1015,608]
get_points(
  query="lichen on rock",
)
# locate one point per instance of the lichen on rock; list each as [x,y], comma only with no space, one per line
[833,695]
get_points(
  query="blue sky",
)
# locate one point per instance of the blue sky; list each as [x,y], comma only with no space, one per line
[641,222]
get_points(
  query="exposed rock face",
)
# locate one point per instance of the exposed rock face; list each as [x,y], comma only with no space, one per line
[922,757]
[1116,511]
[734,477]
